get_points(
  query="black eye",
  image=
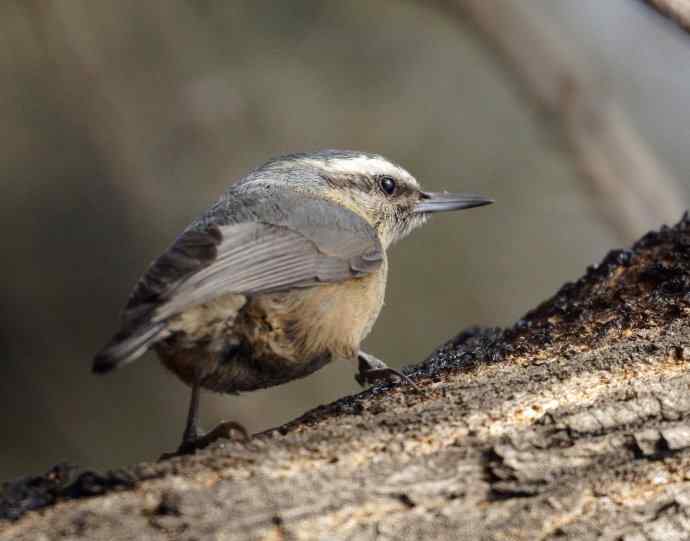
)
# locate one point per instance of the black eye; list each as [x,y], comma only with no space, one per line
[388,185]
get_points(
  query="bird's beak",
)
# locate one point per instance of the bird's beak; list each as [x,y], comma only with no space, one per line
[444,201]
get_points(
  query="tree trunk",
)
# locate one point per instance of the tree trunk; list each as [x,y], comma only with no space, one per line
[571,424]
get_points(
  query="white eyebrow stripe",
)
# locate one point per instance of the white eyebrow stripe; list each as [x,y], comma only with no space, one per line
[372,165]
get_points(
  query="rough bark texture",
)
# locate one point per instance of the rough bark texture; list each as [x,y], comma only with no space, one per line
[573,424]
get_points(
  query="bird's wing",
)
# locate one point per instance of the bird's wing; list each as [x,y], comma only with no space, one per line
[255,257]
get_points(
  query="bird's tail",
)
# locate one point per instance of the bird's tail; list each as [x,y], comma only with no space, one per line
[125,347]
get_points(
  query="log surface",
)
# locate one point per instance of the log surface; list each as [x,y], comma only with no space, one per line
[572,424]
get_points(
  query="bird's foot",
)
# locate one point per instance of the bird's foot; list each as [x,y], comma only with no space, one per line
[373,370]
[192,442]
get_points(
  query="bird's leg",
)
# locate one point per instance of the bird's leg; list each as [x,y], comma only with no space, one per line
[193,438]
[372,370]
[192,432]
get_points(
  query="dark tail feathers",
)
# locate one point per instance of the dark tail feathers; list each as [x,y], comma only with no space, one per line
[126,347]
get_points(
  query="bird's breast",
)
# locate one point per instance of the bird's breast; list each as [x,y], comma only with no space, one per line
[242,342]
[335,318]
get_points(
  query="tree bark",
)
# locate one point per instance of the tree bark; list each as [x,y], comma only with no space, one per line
[574,423]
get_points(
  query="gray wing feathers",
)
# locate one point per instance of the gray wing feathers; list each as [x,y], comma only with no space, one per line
[248,245]
[257,258]
[126,346]
[191,251]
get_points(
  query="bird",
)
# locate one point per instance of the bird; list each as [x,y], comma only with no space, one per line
[284,274]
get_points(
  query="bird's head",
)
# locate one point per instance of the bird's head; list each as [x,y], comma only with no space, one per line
[380,191]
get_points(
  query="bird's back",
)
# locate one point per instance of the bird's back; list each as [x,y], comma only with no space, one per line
[308,319]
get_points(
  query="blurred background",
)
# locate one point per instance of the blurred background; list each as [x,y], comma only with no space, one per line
[121,121]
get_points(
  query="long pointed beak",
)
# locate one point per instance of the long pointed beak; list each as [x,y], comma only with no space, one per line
[444,201]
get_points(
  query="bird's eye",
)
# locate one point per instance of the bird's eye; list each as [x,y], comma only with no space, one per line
[388,185]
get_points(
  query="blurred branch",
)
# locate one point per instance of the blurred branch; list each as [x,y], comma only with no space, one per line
[676,10]
[628,185]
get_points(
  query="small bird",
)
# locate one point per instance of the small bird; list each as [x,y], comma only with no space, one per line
[285,273]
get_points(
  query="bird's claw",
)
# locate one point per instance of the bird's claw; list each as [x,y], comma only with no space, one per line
[192,444]
[372,370]
[375,375]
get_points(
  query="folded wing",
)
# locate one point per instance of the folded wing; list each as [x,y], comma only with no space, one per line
[255,258]
[248,258]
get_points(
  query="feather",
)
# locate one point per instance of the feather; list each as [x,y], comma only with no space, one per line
[293,241]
